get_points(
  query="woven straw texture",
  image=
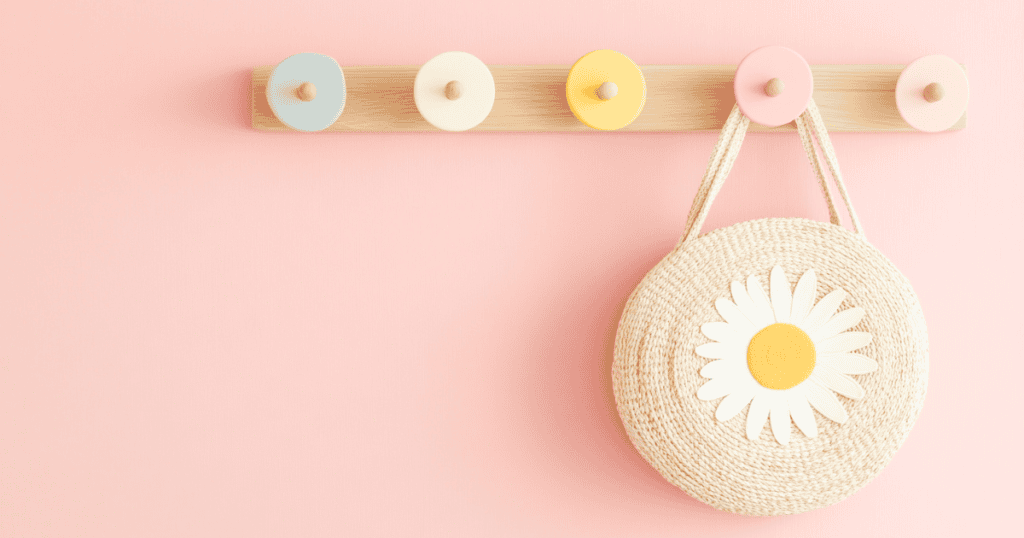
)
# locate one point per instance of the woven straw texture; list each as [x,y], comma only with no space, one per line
[655,371]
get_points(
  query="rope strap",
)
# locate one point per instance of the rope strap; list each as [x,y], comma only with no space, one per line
[811,129]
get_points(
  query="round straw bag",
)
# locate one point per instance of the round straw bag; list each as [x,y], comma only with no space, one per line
[774,366]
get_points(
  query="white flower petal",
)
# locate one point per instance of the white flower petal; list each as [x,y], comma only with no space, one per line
[823,311]
[803,296]
[762,307]
[781,425]
[734,403]
[717,350]
[802,414]
[843,384]
[849,363]
[732,315]
[782,296]
[758,414]
[843,343]
[843,321]
[719,368]
[744,303]
[720,332]
[715,389]
[825,402]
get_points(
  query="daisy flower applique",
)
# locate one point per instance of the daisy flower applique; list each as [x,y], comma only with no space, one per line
[783,355]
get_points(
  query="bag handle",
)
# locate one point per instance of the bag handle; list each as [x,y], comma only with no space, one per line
[811,129]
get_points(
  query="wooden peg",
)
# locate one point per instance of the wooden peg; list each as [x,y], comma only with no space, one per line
[774,87]
[453,90]
[607,90]
[307,91]
[934,92]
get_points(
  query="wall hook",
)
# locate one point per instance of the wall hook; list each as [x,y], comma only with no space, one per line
[454,91]
[307,91]
[773,85]
[932,93]
[606,90]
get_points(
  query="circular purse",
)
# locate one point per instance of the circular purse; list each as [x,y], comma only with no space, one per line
[773,366]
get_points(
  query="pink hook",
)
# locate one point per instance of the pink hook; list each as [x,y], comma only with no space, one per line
[932,93]
[773,85]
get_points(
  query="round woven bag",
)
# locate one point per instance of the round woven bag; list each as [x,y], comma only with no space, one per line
[774,366]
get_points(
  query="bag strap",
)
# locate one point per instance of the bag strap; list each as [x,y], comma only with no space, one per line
[811,129]
[821,136]
[806,138]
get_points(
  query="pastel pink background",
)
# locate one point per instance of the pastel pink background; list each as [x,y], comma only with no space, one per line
[207,330]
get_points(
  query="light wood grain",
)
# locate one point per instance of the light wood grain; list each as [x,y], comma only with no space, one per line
[934,92]
[453,90]
[775,87]
[532,98]
[307,91]
[607,90]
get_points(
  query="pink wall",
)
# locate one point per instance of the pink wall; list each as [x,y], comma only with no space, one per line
[211,331]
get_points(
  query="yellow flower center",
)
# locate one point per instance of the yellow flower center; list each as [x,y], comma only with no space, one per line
[781,356]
